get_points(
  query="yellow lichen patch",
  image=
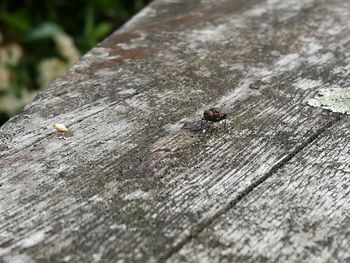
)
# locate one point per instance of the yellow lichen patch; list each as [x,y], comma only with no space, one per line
[60,127]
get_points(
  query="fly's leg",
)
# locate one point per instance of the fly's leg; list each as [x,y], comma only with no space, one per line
[205,122]
[210,124]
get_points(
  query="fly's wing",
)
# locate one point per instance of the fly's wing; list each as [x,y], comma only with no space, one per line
[215,110]
[222,112]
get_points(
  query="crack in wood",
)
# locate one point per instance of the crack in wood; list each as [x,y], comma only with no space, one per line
[199,227]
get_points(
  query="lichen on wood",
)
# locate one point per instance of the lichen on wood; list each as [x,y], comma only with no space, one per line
[333,99]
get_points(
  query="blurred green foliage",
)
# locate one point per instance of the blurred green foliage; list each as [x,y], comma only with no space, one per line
[39,39]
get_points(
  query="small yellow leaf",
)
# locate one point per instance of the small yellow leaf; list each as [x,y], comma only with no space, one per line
[60,127]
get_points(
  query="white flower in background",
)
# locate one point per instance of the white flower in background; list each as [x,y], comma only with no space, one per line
[4,78]
[48,69]
[66,47]
[11,104]
[10,55]
[51,68]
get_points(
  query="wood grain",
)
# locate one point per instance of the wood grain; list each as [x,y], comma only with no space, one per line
[128,182]
[300,214]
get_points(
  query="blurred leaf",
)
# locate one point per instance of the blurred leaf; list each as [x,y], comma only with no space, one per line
[89,21]
[36,27]
[99,32]
[17,21]
[138,5]
[43,31]
[94,32]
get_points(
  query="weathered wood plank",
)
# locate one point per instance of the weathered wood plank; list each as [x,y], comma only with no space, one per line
[300,214]
[127,183]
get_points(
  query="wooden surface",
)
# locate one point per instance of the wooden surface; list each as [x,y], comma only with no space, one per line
[134,180]
[301,213]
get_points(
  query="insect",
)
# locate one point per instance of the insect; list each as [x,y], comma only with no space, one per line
[213,115]
[60,127]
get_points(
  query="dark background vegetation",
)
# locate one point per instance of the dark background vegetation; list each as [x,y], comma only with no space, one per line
[39,39]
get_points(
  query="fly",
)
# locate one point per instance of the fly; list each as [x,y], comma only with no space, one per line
[213,115]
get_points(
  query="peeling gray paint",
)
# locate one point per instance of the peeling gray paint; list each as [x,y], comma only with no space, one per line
[334,99]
